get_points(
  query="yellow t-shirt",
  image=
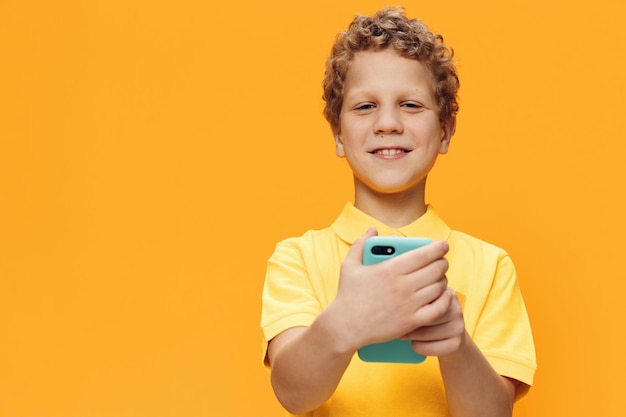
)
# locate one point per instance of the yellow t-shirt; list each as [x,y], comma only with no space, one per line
[302,278]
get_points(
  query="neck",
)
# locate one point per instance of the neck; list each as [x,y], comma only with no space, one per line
[395,210]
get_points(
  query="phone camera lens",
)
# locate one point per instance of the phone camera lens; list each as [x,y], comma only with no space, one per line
[383,250]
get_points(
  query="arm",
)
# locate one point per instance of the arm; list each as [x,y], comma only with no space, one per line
[472,386]
[307,364]
[373,304]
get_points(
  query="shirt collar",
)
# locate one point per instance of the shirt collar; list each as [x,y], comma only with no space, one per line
[352,223]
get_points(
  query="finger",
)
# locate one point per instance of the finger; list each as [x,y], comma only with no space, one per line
[440,331]
[449,323]
[438,347]
[355,254]
[417,259]
[433,273]
[432,313]
[429,293]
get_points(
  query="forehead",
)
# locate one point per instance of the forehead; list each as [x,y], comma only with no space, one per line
[386,70]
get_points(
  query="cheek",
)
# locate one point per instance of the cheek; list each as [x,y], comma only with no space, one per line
[432,131]
[353,134]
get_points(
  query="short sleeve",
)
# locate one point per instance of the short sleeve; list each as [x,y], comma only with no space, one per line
[289,298]
[503,331]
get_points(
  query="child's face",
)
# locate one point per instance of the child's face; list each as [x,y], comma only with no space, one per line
[389,129]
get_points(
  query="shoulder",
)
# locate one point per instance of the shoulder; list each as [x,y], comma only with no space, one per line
[310,237]
[307,244]
[477,262]
[470,246]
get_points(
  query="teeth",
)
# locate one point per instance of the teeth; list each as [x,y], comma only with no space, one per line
[389,151]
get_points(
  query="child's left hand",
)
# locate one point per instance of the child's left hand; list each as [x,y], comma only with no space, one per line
[446,335]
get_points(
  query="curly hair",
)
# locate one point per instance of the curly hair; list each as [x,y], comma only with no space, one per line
[390,28]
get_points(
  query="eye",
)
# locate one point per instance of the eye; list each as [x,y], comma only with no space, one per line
[365,106]
[412,105]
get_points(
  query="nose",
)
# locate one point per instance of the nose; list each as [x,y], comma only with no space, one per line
[388,121]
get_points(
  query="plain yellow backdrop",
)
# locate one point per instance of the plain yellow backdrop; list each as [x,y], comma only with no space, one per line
[153,152]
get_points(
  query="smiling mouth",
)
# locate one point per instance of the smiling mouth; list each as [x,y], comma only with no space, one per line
[389,152]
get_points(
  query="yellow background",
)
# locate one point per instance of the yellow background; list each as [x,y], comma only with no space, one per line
[153,152]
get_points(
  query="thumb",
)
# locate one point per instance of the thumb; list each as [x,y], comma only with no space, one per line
[355,254]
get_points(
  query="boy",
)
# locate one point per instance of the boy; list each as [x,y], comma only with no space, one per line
[390,91]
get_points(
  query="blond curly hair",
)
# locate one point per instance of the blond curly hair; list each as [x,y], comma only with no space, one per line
[389,28]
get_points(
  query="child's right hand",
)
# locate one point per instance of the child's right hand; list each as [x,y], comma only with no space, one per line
[386,300]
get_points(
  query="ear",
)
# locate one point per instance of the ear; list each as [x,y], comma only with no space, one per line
[338,144]
[448,128]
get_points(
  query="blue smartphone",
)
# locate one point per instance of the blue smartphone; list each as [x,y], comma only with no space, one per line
[378,249]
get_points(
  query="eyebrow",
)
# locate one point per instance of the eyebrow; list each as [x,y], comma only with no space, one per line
[421,94]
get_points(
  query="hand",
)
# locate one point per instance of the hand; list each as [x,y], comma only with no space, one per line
[445,334]
[380,302]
